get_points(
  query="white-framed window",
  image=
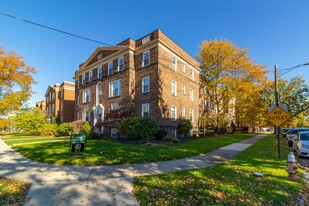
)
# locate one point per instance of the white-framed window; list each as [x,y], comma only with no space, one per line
[114,133]
[115,88]
[145,84]
[192,74]
[110,68]
[99,87]
[145,110]
[173,113]
[191,115]
[174,133]
[90,76]
[120,63]
[183,89]
[83,78]
[183,67]
[86,95]
[53,96]
[86,114]
[174,64]
[183,112]
[174,88]
[100,72]
[191,95]
[146,58]
[146,39]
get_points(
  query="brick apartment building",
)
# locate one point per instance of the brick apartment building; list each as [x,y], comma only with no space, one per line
[151,76]
[60,101]
[41,104]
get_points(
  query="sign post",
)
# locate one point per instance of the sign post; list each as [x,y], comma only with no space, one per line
[78,143]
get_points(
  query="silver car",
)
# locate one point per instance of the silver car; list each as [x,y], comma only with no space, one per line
[292,134]
[301,144]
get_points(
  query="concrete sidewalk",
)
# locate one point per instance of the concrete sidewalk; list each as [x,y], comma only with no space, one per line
[98,185]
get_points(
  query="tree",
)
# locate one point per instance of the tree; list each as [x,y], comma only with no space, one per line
[31,121]
[230,77]
[294,94]
[15,81]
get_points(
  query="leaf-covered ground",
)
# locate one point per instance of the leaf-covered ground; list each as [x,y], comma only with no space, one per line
[12,192]
[230,183]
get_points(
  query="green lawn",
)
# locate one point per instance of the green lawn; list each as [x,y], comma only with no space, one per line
[13,192]
[104,152]
[229,183]
[29,139]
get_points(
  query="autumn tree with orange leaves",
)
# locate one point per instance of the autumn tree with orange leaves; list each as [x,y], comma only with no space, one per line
[233,84]
[15,81]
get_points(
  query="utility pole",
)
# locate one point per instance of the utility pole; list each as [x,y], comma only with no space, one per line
[277,103]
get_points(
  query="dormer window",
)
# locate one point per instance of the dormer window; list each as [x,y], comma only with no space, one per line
[146,39]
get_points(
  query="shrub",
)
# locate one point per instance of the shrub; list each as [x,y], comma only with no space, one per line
[64,129]
[184,126]
[46,129]
[86,129]
[160,134]
[171,139]
[138,128]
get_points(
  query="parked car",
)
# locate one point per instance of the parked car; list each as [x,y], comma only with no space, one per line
[285,131]
[301,144]
[292,134]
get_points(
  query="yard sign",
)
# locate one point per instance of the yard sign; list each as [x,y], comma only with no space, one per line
[78,143]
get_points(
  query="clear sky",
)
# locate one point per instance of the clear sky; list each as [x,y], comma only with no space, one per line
[274,31]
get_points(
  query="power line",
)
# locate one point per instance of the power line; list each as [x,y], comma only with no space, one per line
[54,29]
[292,68]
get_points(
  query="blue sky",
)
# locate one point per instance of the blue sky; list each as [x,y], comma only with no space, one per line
[274,32]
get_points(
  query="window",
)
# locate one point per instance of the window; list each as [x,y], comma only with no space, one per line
[120,63]
[52,96]
[174,64]
[115,88]
[191,74]
[146,58]
[99,87]
[86,95]
[145,84]
[174,88]
[90,76]
[86,115]
[61,106]
[183,68]
[173,113]
[174,133]
[191,95]
[145,110]
[183,89]
[183,112]
[83,78]
[191,115]
[77,99]
[146,39]
[114,106]
[53,108]
[114,133]
[100,72]
[110,68]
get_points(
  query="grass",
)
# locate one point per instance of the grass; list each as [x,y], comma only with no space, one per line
[13,192]
[104,152]
[229,183]
[30,139]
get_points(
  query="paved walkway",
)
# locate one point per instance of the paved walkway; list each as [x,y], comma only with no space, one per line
[98,185]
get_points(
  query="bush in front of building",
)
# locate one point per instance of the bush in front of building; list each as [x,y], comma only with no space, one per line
[169,138]
[64,129]
[161,133]
[184,127]
[86,129]
[138,128]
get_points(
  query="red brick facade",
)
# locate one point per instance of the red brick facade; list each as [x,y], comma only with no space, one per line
[60,101]
[165,88]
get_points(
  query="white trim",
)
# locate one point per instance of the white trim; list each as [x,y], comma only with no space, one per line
[143,85]
[174,119]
